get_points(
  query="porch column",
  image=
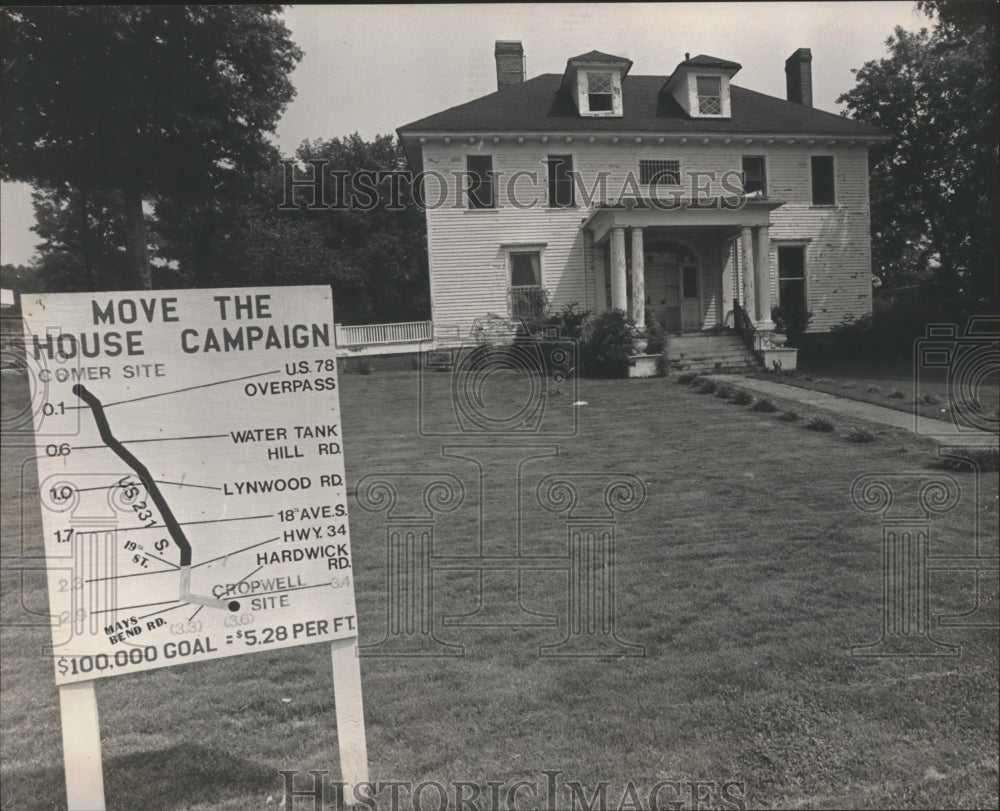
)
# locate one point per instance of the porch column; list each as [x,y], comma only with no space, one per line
[619,284]
[746,243]
[727,259]
[600,279]
[638,280]
[763,279]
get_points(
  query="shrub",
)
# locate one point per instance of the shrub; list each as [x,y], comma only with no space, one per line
[765,406]
[606,345]
[889,332]
[724,391]
[742,397]
[686,378]
[852,338]
[896,394]
[820,424]
[986,459]
[707,386]
[861,435]
[793,321]
[553,338]
[568,322]
[873,389]
[789,416]
[657,341]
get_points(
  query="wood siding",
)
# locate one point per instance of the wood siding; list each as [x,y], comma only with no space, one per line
[468,248]
[838,251]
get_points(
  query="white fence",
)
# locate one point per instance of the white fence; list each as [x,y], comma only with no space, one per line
[377,334]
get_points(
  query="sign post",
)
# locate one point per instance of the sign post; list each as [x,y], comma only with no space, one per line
[194,502]
[81,731]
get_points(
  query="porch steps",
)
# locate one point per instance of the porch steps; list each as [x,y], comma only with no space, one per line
[709,352]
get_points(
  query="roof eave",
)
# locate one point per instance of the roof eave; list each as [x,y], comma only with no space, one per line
[644,134]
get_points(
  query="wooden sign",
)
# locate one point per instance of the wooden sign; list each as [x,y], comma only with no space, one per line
[191,471]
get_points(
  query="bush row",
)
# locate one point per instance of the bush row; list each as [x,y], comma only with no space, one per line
[987,459]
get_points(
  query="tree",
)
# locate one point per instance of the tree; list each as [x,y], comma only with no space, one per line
[368,243]
[934,185]
[374,230]
[83,239]
[239,236]
[141,101]
[21,279]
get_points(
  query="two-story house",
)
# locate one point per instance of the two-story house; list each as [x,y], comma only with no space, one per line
[677,195]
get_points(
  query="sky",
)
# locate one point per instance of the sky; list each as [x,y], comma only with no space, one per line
[371,69]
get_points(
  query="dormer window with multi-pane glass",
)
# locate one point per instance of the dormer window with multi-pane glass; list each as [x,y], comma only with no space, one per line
[594,82]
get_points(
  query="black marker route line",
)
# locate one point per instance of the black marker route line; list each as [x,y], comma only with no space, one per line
[173,527]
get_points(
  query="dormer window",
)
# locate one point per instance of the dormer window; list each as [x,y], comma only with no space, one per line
[600,89]
[594,82]
[710,95]
[700,85]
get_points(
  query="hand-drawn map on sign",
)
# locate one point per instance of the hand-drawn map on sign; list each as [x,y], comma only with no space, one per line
[191,472]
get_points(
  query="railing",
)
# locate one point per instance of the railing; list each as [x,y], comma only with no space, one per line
[743,324]
[374,334]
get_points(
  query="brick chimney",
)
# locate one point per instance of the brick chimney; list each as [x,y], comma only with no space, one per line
[510,64]
[798,77]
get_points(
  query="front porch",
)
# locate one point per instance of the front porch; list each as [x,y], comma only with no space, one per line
[685,268]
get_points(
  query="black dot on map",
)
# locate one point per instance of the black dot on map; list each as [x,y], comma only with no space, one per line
[234,606]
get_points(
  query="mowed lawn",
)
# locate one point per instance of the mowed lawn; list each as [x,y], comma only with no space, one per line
[746,575]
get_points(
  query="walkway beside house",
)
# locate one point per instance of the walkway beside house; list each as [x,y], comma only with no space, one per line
[944,432]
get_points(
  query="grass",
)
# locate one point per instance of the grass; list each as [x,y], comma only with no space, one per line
[746,575]
[986,460]
[894,385]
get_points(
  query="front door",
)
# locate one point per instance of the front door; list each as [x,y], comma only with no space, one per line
[690,298]
[672,288]
[663,295]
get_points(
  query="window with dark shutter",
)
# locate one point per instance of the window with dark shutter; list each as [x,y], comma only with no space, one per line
[754,175]
[560,181]
[822,180]
[480,169]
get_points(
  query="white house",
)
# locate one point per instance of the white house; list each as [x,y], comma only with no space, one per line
[677,194]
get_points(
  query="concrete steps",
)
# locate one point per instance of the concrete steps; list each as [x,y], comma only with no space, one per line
[709,352]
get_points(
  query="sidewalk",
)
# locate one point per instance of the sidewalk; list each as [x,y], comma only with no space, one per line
[944,432]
